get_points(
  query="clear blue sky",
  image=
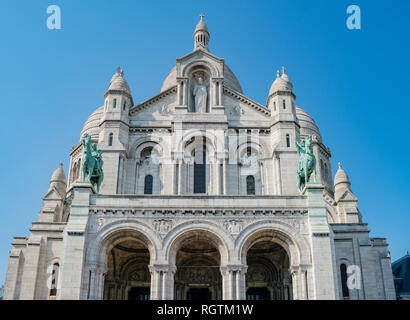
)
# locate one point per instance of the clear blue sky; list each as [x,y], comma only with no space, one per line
[354,83]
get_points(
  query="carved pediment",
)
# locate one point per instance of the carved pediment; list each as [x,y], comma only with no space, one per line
[214,63]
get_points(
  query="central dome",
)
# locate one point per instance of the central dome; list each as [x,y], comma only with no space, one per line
[229,80]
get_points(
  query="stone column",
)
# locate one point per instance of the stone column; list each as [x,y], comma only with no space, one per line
[303,283]
[217,175]
[96,284]
[168,283]
[185,92]
[295,282]
[179,93]
[233,282]
[241,287]
[179,176]
[325,284]
[220,87]
[224,177]
[278,187]
[162,282]
[74,244]
[155,290]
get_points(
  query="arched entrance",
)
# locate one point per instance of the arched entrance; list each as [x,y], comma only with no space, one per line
[268,276]
[127,276]
[198,275]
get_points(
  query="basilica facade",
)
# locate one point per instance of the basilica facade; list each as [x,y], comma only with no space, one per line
[199,200]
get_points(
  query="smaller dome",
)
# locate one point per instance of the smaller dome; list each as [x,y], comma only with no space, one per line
[118,82]
[341,177]
[201,26]
[92,125]
[308,126]
[281,83]
[59,175]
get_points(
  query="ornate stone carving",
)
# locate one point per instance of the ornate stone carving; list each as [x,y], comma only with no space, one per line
[238,110]
[164,110]
[197,275]
[234,227]
[162,226]
[100,223]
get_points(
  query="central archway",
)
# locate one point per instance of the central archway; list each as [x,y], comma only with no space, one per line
[198,255]
[198,274]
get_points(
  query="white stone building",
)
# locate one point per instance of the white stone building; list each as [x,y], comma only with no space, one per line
[199,201]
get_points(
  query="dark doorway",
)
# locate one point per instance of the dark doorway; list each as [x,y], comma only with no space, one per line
[197,294]
[257,294]
[137,293]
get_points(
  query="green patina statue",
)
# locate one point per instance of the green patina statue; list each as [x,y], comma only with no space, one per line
[92,163]
[306,163]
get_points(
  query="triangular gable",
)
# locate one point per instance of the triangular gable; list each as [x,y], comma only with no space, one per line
[348,196]
[147,104]
[198,52]
[249,103]
[52,194]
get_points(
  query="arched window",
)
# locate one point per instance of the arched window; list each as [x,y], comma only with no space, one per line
[200,170]
[54,280]
[124,105]
[110,138]
[287,141]
[248,151]
[146,155]
[148,184]
[343,275]
[274,105]
[284,104]
[250,185]
[114,105]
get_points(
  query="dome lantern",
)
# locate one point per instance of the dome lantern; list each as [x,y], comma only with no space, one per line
[201,35]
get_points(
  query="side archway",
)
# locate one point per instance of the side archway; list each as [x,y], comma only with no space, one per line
[118,262]
[278,261]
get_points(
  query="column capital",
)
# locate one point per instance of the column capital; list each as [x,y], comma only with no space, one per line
[233,267]
[162,267]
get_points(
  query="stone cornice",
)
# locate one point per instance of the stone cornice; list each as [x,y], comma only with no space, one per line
[195,212]
[147,103]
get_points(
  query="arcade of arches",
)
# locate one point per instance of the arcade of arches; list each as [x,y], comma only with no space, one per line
[198,274]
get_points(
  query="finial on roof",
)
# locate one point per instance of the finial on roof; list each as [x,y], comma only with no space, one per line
[283,70]
[340,165]
[61,164]
[277,73]
[119,71]
[202,16]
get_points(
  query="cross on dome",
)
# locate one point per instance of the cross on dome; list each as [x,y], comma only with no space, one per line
[202,16]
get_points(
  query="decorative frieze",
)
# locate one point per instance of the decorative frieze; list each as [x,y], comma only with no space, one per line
[198,212]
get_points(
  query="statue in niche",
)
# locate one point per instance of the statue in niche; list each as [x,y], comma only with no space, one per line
[200,96]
